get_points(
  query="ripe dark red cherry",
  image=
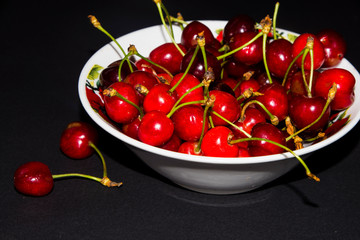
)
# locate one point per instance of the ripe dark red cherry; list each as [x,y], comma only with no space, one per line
[167,56]
[318,49]
[225,105]
[187,83]
[76,138]
[252,117]
[155,128]
[34,179]
[188,122]
[190,148]
[173,144]
[279,56]
[334,46]
[345,83]
[216,143]
[119,110]
[266,131]
[191,31]
[110,74]
[131,129]
[235,68]
[295,83]
[143,78]
[251,54]
[159,98]
[238,24]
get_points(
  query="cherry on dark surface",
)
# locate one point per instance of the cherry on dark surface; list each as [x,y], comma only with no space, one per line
[279,57]
[345,83]
[304,110]
[167,56]
[110,74]
[188,122]
[33,179]
[160,98]
[251,54]
[143,78]
[119,110]
[334,46]
[155,128]
[197,68]
[76,138]
[216,143]
[238,24]
[269,132]
[225,105]
[191,31]
[318,50]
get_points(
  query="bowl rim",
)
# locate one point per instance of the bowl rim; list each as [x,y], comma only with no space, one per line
[354,118]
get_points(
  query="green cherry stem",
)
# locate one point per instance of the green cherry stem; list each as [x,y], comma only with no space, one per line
[274,119]
[308,172]
[274,19]
[230,123]
[290,66]
[104,181]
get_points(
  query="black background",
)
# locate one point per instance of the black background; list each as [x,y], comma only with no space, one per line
[44,46]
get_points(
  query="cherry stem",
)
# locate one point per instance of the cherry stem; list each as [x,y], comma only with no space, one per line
[104,181]
[274,19]
[266,28]
[331,96]
[274,119]
[97,25]
[241,47]
[186,70]
[209,103]
[230,123]
[303,72]
[290,66]
[264,59]
[111,92]
[308,173]
[160,9]
[121,64]
[101,157]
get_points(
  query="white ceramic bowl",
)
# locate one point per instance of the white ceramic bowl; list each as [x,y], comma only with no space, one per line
[202,174]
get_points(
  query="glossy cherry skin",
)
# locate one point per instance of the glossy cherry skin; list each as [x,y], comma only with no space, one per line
[131,129]
[110,74]
[143,78]
[252,117]
[197,68]
[191,31]
[33,179]
[216,143]
[275,99]
[119,110]
[159,98]
[173,144]
[334,46]
[225,105]
[187,83]
[318,49]
[188,122]
[155,128]
[345,83]
[305,110]
[167,56]
[75,139]
[238,24]
[235,68]
[232,83]
[266,131]
[295,83]
[279,56]
[190,148]
[251,54]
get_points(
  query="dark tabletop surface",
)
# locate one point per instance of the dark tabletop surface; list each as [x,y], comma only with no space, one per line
[44,46]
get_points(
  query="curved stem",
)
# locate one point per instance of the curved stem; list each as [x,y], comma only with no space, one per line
[230,123]
[274,19]
[153,63]
[174,109]
[198,147]
[264,58]
[274,119]
[101,157]
[290,66]
[303,72]
[104,181]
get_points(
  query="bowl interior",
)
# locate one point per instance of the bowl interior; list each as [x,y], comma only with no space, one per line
[147,39]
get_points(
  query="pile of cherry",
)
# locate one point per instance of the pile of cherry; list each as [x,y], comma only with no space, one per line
[247,92]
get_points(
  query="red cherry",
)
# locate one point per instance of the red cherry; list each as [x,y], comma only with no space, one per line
[143,65]
[251,54]
[110,74]
[345,83]
[247,84]
[269,132]
[235,68]
[318,49]
[238,24]
[131,129]
[76,138]
[244,152]
[190,148]
[155,128]
[191,31]
[119,110]
[295,83]
[34,179]
[225,105]
[143,78]
[173,144]
[188,122]
[305,110]
[232,83]
[334,46]
[275,99]
[167,56]
[159,98]
[279,57]
[216,143]
[187,83]
[252,117]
